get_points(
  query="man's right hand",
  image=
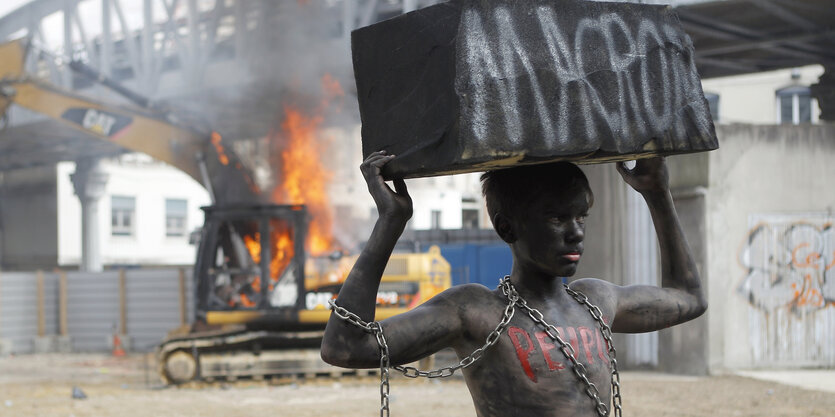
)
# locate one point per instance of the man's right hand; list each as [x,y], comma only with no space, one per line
[391,204]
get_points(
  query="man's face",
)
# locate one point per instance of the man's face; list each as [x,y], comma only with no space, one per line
[550,233]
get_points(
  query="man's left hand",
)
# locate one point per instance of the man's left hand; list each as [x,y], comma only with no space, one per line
[648,175]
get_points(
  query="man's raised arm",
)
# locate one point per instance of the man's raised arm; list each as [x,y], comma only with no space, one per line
[412,335]
[681,298]
[343,343]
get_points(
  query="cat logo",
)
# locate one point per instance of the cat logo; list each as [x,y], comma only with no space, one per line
[100,123]
[97,121]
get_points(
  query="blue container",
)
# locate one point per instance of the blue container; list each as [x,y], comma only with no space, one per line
[483,263]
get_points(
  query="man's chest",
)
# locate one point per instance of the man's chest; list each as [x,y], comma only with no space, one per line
[533,374]
[550,354]
[535,351]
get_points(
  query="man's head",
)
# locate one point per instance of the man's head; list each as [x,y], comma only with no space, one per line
[511,191]
[539,210]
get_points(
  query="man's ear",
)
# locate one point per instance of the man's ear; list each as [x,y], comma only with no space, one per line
[504,228]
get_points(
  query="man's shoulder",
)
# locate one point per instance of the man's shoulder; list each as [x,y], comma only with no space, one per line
[594,287]
[468,291]
[470,295]
[589,283]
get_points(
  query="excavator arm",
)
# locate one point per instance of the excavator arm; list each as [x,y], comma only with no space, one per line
[198,152]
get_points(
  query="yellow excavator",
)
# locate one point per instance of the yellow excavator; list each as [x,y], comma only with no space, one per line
[260,301]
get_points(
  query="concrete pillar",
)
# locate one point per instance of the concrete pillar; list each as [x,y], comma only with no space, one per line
[89,182]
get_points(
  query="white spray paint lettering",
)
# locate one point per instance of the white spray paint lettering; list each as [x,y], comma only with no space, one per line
[640,113]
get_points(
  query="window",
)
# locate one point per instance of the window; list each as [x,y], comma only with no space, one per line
[469,219]
[436,219]
[794,105]
[122,214]
[175,217]
[713,104]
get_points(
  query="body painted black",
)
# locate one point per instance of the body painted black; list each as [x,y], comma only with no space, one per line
[522,374]
[471,85]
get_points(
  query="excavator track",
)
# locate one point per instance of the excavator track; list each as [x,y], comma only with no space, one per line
[244,354]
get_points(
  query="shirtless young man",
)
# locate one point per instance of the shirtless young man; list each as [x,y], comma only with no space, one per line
[540,212]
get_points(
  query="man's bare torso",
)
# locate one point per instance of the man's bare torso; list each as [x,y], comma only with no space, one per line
[526,373]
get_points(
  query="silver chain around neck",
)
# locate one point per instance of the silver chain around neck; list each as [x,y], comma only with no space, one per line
[514,300]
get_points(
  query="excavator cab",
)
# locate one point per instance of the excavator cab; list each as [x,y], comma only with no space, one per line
[250,267]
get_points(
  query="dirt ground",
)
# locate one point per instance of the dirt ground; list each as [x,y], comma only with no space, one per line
[41,385]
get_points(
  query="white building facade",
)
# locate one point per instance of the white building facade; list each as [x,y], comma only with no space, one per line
[146,214]
[774,97]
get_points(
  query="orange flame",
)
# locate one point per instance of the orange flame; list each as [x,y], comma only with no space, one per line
[303,177]
[281,241]
[221,153]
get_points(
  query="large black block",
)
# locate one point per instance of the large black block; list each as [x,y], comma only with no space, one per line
[472,85]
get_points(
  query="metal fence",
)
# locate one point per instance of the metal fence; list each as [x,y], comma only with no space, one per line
[82,311]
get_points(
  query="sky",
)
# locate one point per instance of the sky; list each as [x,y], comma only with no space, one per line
[7,6]
[91,16]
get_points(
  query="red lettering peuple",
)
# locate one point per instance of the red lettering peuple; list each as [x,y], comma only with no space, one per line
[523,343]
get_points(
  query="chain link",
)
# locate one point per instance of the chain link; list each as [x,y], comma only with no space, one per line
[607,335]
[473,357]
[568,350]
[514,299]
[385,364]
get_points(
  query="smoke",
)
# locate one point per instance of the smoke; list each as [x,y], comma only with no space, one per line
[280,57]
[290,55]
[301,46]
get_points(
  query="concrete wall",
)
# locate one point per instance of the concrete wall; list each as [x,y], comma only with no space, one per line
[758,214]
[768,244]
[763,170]
[28,218]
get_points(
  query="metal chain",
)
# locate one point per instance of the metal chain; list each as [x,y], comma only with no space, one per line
[514,299]
[377,330]
[470,359]
[568,350]
[385,388]
[607,336]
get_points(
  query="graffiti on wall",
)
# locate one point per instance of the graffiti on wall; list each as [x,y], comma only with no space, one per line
[790,262]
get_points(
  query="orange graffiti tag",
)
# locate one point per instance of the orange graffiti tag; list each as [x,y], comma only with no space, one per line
[807,296]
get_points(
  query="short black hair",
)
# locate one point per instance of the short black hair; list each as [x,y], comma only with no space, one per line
[509,190]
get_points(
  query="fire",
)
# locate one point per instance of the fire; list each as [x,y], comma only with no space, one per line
[221,153]
[302,179]
[283,252]
[282,244]
[302,175]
